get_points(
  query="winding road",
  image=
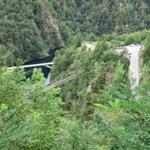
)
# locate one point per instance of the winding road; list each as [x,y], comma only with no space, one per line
[133,55]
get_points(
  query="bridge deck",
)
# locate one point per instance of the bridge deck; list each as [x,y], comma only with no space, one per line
[31,66]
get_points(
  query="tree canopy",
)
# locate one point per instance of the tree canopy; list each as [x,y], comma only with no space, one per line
[28,30]
[98,110]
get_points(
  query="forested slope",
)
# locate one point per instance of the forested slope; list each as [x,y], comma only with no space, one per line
[145,56]
[102,16]
[95,70]
[96,111]
[27,30]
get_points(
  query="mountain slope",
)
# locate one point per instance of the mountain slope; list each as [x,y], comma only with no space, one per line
[102,16]
[28,30]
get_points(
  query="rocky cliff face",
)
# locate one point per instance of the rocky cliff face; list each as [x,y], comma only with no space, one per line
[51,30]
[27,30]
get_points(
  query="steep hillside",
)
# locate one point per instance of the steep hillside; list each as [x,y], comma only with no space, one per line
[102,16]
[98,70]
[99,108]
[27,30]
[94,71]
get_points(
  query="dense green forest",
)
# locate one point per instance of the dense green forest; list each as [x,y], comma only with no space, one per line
[30,28]
[101,16]
[106,117]
[98,110]
[27,30]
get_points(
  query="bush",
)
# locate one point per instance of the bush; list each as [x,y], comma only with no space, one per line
[30,115]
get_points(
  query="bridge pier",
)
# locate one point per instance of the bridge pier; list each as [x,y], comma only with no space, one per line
[48,80]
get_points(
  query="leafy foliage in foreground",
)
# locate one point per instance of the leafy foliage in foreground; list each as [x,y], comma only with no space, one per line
[119,120]
[102,112]
[99,110]
[29,115]
[116,124]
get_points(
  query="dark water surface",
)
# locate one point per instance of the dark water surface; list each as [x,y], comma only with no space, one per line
[45,70]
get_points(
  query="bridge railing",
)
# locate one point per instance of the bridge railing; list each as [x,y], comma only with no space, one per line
[31,66]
